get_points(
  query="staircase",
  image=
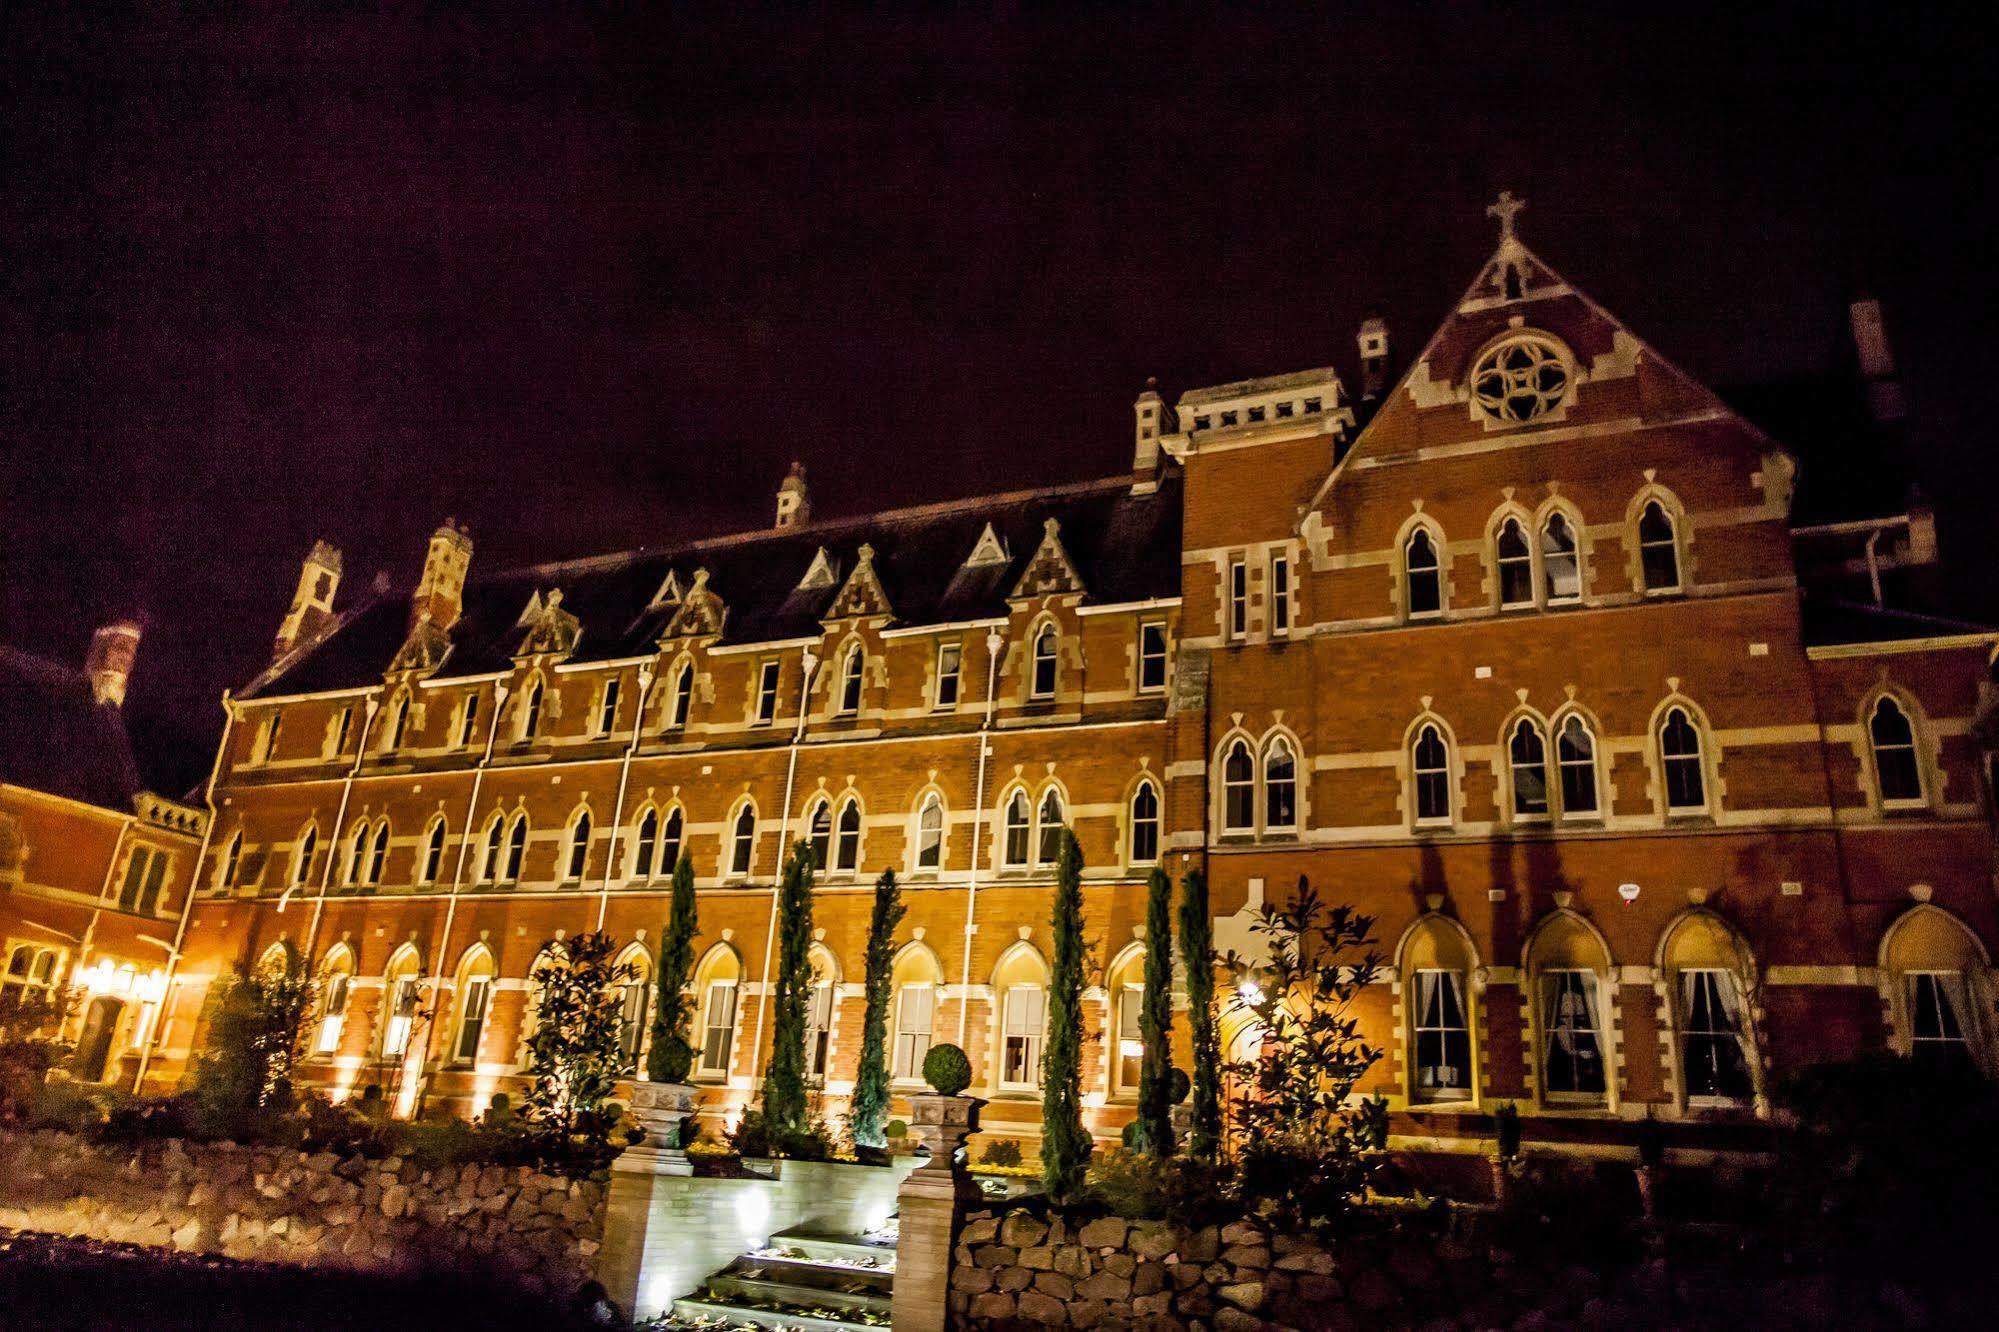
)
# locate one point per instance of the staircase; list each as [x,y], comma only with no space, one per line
[820,1283]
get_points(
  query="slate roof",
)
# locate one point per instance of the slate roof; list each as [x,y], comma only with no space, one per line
[1832,620]
[57,738]
[1125,547]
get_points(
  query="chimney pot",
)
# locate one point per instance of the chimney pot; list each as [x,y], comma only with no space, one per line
[109,661]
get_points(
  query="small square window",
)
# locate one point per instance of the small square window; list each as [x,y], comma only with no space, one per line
[1256,414]
[1203,422]
[1284,409]
[1230,418]
[1311,405]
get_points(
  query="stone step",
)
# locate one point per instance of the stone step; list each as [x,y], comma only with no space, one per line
[814,1273]
[708,1315]
[734,1287]
[836,1248]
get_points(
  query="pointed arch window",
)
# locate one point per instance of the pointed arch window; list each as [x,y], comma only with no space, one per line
[1046,644]
[432,862]
[353,868]
[1145,824]
[1516,566]
[743,841]
[915,1020]
[669,841]
[1527,756]
[1711,1036]
[1575,755]
[467,720]
[1561,567]
[517,847]
[399,722]
[852,669]
[402,995]
[1280,786]
[1936,1025]
[578,858]
[1680,756]
[847,849]
[1014,854]
[1430,773]
[1442,1036]
[1238,789]
[1048,840]
[302,856]
[682,698]
[232,862]
[475,992]
[1658,548]
[378,858]
[1422,576]
[531,712]
[335,983]
[1896,769]
[1572,1065]
[819,833]
[645,845]
[930,834]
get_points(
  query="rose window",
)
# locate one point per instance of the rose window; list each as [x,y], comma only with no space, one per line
[1520,380]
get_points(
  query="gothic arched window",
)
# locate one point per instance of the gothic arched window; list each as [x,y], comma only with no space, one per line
[1896,769]
[1422,576]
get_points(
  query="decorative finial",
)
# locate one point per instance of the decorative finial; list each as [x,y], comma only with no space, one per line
[1505,207]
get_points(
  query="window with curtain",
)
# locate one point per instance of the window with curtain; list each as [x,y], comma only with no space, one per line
[1572,1062]
[1430,771]
[1049,847]
[1658,549]
[1561,570]
[1014,853]
[1238,789]
[1422,578]
[950,657]
[1575,753]
[1713,1060]
[847,851]
[915,1017]
[743,841]
[400,1006]
[337,986]
[1527,758]
[718,1027]
[818,1027]
[1680,755]
[1442,1037]
[1145,824]
[634,1007]
[1046,644]
[1516,565]
[930,834]
[1024,1024]
[1130,1053]
[1936,1008]
[1893,739]
[1280,786]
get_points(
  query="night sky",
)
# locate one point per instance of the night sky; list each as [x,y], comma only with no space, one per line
[589,283]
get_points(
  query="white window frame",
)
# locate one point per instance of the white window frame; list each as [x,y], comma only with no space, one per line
[1913,748]
[1550,558]
[853,676]
[339,992]
[1151,663]
[743,843]
[681,702]
[1138,820]
[576,848]
[710,1027]
[1280,594]
[1419,1024]
[1433,571]
[1564,766]
[847,837]
[950,668]
[1698,758]
[468,718]
[1503,563]
[1231,785]
[1017,815]
[766,701]
[1045,651]
[1671,544]
[607,708]
[431,863]
[1597,998]
[473,1007]
[1018,1031]
[913,1043]
[1275,747]
[927,844]
[1686,1033]
[1238,599]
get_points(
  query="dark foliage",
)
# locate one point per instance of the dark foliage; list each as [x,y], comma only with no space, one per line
[869,1107]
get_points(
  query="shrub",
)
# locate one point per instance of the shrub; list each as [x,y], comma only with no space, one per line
[1065,1143]
[947,1070]
[253,1035]
[31,1022]
[751,1137]
[784,1074]
[1001,1152]
[894,1129]
[871,1091]
[672,1055]
[576,1050]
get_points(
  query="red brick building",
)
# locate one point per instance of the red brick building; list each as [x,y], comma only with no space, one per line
[1656,783]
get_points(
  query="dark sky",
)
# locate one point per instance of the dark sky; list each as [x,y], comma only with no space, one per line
[589,282]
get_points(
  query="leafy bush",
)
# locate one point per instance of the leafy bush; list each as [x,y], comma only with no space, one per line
[1001,1152]
[253,1036]
[750,1137]
[1180,1189]
[63,1106]
[575,1052]
[947,1070]
[31,1043]
[895,1128]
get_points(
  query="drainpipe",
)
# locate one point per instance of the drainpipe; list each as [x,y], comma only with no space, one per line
[807,661]
[162,1022]
[464,849]
[994,641]
[1874,565]
[368,710]
[624,776]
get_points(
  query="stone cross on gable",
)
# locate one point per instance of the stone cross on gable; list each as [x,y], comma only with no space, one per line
[1505,207]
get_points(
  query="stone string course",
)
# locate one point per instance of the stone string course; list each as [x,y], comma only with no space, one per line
[279,1205]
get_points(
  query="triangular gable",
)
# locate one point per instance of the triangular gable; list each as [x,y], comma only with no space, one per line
[1050,572]
[701,612]
[424,650]
[987,550]
[862,594]
[823,572]
[669,593]
[551,630]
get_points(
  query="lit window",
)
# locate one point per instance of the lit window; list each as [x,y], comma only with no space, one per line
[1238,599]
[1936,1029]
[1280,594]
[31,972]
[1575,754]
[1130,1053]
[645,845]
[1527,754]
[915,1018]
[1522,379]
[930,835]
[1421,573]
[1145,824]
[1516,566]
[743,842]
[1238,789]
[1658,549]
[949,659]
[819,833]
[335,991]
[1017,831]
[1442,1037]
[683,697]
[1711,1049]
[767,694]
[607,708]
[404,991]
[1896,770]
[579,848]
[475,995]
[850,680]
[1571,1036]
[517,847]
[1280,787]
[818,1025]
[1049,844]
[1024,1024]
[1680,753]
[1561,571]
[847,852]
[433,854]
[1046,658]
[1151,657]
[1430,767]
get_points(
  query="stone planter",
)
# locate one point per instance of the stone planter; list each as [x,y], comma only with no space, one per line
[661,1108]
[942,1123]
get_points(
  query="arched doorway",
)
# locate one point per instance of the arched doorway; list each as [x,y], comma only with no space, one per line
[93,1046]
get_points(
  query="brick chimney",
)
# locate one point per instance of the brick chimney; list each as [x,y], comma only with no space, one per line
[1877,361]
[1145,410]
[440,594]
[794,506]
[109,661]
[312,603]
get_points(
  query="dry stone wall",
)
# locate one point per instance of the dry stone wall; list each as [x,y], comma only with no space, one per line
[280,1205]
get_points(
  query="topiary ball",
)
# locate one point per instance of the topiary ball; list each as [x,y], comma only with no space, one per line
[1178,1084]
[947,1070]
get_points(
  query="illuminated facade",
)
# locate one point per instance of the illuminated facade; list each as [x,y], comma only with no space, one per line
[1653,780]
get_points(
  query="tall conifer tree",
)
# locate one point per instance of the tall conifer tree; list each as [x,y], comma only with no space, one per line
[784,1076]
[1065,1144]
[1155,1019]
[869,1109]
[1197,957]
[672,1055]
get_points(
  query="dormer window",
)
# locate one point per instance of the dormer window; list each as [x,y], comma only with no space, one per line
[1042,686]
[851,670]
[607,708]
[531,712]
[399,723]
[767,694]
[467,720]
[683,697]
[950,657]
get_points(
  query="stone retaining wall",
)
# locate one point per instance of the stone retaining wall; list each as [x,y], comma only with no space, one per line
[279,1205]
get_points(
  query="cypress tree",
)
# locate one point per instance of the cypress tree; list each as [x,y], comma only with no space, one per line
[1155,1019]
[784,1076]
[869,1109]
[672,1055]
[1065,1144]
[1197,957]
